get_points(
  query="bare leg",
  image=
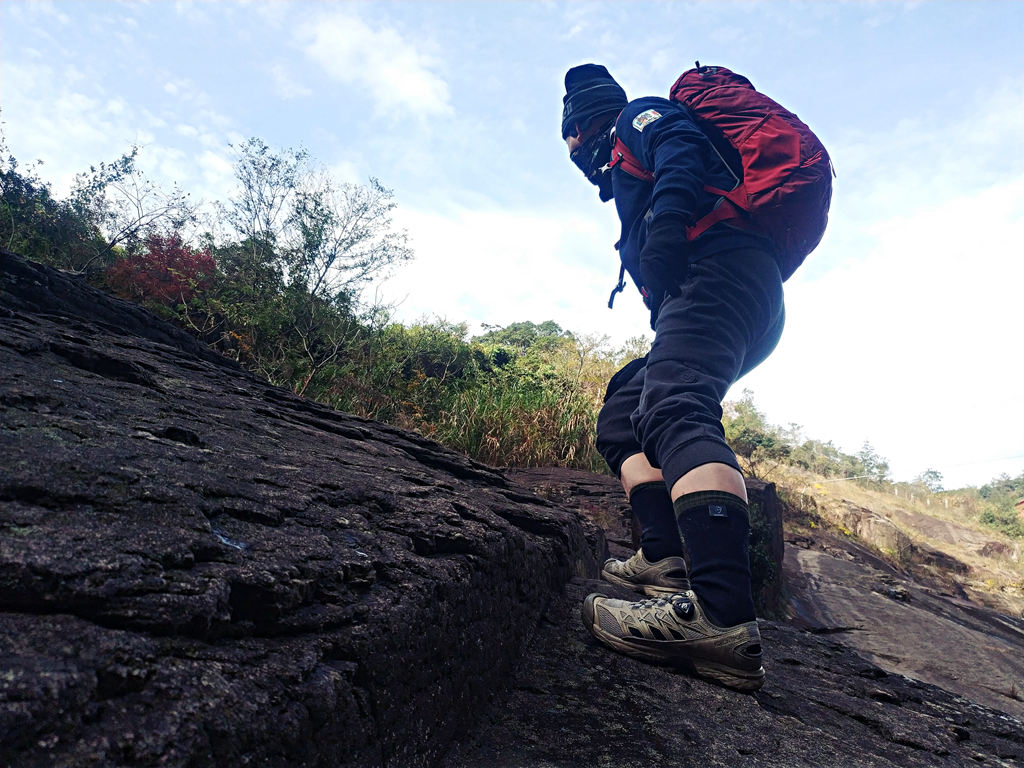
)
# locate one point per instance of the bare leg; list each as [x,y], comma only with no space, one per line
[706,477]
[636,470]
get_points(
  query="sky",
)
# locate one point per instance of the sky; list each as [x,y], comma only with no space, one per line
[903,327]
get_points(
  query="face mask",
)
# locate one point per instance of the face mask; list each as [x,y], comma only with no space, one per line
[592,157]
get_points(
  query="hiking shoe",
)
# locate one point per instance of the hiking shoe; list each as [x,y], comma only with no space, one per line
[663,577]
[674,630]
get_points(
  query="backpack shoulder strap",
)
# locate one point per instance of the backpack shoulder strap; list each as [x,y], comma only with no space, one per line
[623,158]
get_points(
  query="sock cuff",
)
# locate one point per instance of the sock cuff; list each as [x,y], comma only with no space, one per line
[690,502]
[648,487]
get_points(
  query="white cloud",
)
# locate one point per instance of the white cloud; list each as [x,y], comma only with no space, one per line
[285,85]
[192,11]
[499,267]
[395,71]
[164,162]
[44,8]
[909,346]
[179,87]
[345,172]
[918,160]
[218,175]
[81,124]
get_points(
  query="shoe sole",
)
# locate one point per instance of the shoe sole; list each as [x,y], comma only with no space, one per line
[731,677]
[652,590]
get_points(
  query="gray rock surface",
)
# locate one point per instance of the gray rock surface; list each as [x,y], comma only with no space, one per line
[573,703]
[197,568]
[837,587]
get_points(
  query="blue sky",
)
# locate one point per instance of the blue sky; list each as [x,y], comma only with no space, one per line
[904,327]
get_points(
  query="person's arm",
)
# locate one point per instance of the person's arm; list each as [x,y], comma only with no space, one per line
[668,143]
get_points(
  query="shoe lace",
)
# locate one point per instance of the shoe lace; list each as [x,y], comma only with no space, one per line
[681,605]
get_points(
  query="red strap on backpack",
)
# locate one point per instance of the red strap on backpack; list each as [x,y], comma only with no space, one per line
[621,156]
[729,206]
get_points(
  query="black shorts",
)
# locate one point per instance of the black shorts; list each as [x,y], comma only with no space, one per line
[668,404]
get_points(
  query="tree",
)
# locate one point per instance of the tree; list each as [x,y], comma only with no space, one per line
[822,458]
[343,235]
[760,444]
[930,479]
[267,182]
[870,465]
[523,336]
[126,207]
[36,225]
[305,247]
[634,347]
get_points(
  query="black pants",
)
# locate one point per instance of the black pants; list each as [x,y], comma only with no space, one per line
[668,405]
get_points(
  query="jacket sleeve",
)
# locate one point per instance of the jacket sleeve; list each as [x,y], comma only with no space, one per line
[664,138]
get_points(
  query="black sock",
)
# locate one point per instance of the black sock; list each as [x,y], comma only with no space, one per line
[659,535]
[715,527]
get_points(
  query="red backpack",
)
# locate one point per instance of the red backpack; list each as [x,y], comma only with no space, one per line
[786,184]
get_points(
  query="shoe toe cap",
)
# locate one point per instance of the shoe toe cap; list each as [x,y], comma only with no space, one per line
[589,609]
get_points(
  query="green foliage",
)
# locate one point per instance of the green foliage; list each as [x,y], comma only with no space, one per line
[870,466]
[999,500]
[1003,520]
[524,336]
[117,200]
[305,245]
[112,209]
[761,446]
[865,467]
[37,226]
[497,405]
[930,479]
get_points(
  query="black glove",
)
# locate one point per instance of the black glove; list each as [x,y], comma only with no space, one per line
[664,259]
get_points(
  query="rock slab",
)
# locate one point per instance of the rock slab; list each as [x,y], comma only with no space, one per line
[197,568]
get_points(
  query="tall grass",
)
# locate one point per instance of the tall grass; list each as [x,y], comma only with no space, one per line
[518,423]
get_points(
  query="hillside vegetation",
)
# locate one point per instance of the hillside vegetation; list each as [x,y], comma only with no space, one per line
[272,278]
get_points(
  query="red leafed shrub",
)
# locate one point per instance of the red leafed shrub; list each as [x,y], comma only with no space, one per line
[168,271]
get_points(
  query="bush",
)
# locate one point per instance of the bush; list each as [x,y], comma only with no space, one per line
[167,272]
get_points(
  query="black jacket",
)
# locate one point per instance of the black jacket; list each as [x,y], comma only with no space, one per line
[663,136]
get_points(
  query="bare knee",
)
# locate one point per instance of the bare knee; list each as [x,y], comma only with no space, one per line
[636,470]
[711,477]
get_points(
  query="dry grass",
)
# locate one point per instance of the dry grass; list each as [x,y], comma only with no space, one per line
[999,577]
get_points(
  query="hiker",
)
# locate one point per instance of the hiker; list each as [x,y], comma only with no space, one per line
[716,306]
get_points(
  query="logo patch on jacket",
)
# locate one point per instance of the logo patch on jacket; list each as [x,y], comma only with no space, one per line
[645,118]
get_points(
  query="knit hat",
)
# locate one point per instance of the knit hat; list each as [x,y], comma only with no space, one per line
[589,92]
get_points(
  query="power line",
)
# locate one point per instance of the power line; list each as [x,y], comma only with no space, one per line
[986,461]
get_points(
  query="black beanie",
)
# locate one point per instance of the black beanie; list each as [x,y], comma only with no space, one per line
[589,92]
